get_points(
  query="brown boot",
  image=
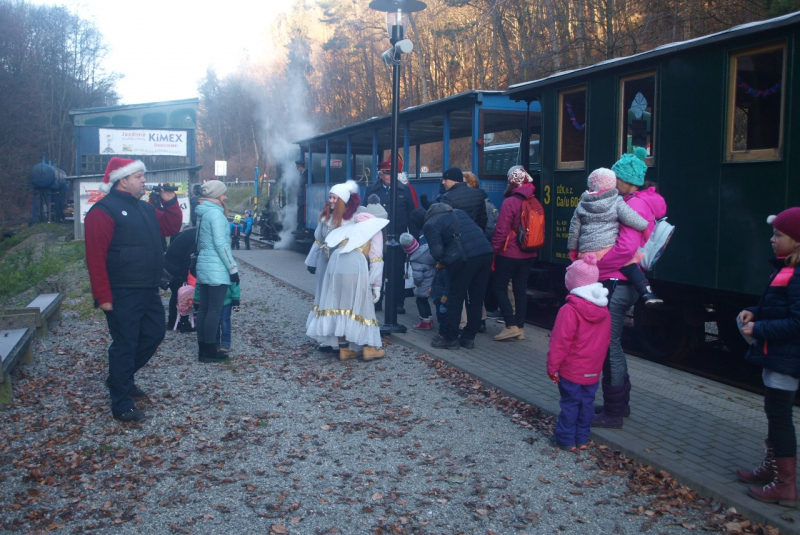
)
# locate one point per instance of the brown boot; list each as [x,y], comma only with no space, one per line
[763,473]
[521,333]
[371,353]
[783,489]
[508,332]
[345,353]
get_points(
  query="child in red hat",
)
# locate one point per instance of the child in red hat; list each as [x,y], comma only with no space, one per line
[773,328]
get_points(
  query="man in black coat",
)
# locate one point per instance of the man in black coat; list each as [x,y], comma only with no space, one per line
[467,254]
[462,197]
[405,205]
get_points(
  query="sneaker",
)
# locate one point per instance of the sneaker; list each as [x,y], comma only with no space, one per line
[651,300]
[134,415]
[508,332]
[554,442]
[424,324]
[466,343]
[583,447]
[224,349]
[440,342]
[494,314]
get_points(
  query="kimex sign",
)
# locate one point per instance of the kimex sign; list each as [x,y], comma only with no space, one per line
[142,142]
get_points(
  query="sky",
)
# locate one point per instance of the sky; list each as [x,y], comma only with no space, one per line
[163,47]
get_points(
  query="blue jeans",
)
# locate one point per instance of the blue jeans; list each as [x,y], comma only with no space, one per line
[621,298]
[577,411]
[224,334]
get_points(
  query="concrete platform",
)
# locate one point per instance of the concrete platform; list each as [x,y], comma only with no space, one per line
[696,429]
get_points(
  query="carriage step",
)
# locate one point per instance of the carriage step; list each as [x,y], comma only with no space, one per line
[537,295]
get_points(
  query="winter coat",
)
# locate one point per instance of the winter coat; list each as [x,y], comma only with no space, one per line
[581,335]
[651,206]
[234,295]
[236,229]
[504,239]
[215,263]
[181,247]
[248,225]
[776,327]
[471,200]
[405,203]
[423,267]
[597,218]
[438,229]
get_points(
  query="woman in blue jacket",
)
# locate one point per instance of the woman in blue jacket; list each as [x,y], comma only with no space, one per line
[216,268]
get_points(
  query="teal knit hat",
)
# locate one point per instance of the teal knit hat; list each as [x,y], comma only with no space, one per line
[631,167]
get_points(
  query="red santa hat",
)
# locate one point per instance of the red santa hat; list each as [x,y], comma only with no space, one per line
[119,168]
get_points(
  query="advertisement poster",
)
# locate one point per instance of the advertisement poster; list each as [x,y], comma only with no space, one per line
[90,194]
[143,142]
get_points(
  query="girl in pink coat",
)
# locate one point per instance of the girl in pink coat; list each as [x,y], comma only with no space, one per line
[578,346]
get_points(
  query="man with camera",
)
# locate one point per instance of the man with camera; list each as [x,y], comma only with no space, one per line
[125,260]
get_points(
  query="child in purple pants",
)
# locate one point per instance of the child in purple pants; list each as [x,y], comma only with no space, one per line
[578,345]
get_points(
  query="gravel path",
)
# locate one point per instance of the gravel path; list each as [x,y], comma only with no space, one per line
[284,439]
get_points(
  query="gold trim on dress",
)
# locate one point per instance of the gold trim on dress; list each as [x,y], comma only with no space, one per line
[348,313]
[319,243]
[376,260]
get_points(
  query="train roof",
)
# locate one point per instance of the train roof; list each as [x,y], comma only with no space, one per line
[425,123]
[530,90]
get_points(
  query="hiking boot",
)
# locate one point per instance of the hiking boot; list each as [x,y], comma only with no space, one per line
[762,474]
[508,332]
[137,393]
[425,324]
[345,353]
[466,343]
[371,353]
[440,342]
[132,416]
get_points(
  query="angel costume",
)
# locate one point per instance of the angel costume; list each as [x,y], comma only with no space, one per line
[343,305]
[318,258]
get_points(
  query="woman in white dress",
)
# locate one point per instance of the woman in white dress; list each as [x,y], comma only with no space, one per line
[345,312]
[343,200]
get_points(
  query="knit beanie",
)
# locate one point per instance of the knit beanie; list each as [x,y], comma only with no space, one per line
[518,176]
[408,242]
[375,207]
[343,191]
[602,179]
[214,189]
[787,222]
[631,167]
[582,272]
[454,174]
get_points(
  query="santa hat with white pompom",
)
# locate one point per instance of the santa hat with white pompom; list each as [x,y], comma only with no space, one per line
[119,168]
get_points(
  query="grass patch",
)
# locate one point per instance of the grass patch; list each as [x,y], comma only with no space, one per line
[239,199]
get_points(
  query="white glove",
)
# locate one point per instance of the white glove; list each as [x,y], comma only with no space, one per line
[376,294]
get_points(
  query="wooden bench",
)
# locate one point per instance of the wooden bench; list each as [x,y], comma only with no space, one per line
[15,346]
[46,309]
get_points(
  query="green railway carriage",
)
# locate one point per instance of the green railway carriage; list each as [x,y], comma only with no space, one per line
[719,118]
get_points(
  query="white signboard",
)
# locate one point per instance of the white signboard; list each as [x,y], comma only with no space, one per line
[90,194]
[220,168]
[143,142]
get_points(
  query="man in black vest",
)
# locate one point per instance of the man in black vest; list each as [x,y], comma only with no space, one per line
[125,259]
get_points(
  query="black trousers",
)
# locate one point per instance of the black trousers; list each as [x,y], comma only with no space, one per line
[247,241]
[515,270]
[212,299]
[780,427]
[468,280]
[137,328]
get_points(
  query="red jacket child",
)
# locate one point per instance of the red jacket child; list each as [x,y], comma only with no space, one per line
[582,332]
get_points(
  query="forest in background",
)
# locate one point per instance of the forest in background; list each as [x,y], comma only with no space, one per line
[329,72]
[326,70]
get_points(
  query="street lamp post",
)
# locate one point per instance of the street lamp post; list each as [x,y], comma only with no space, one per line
[397,16]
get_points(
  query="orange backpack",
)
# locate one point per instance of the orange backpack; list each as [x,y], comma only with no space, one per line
[531,225]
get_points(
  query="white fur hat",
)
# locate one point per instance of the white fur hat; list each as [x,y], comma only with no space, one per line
[343,191]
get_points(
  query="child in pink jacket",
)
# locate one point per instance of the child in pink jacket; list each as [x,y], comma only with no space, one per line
[578,346]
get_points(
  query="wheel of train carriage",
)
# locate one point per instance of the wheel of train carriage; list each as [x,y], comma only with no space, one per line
[665,334]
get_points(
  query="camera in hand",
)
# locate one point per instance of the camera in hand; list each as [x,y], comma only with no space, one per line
[158,188]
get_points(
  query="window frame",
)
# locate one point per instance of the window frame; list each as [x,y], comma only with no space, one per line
[623,145]
[577,164]
[734,156]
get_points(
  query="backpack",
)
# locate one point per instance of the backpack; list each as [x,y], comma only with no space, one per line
[185,305]
[531,225]
[491,218]
[656,243]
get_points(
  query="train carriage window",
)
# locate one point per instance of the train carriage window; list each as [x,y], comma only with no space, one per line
[572,129]
[637,114]
[756,103]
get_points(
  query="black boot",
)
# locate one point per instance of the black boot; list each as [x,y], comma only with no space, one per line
[613,400]
[211,354]
[626,407]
